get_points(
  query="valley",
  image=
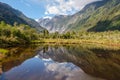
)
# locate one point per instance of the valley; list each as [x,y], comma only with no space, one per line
[84,45]
[98,16]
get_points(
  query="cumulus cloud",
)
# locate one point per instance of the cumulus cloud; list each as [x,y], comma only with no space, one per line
[52,10]
[47,17]
[65,6]
[61,7]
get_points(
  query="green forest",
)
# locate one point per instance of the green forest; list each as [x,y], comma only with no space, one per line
[23,34]
[16,34]
[97,22]
[60,40]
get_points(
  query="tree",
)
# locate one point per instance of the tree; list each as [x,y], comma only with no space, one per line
[45,33]
[3,24]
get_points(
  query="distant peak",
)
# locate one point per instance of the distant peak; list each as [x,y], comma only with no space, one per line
[36,20]
[47,17]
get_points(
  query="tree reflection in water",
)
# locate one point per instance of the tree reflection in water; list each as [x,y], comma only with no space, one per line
[57,63]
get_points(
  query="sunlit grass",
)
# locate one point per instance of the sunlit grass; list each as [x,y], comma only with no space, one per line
[77,41]
[3,51]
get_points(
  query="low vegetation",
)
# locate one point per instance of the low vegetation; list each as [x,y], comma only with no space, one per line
[23,34]
[108,37]
[16,34]
[3,51]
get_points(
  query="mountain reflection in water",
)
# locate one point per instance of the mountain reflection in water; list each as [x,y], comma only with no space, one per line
[46,69]
[62,62]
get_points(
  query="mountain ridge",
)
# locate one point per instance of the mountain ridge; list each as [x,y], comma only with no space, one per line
[10,15]
[86,19]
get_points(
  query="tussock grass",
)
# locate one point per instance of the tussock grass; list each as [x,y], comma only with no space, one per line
[77,41]
[3,51]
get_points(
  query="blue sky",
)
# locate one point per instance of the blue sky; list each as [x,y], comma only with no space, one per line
[47,8]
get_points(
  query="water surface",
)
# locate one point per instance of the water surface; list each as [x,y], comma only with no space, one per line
[62,62]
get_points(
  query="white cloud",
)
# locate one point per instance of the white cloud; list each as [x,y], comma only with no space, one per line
[60,7]
[36,20]
[47,17]
[65,6]
[52,10]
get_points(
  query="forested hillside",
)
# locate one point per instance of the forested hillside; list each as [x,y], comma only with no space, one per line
[10,16]
[17,34]
[97,16]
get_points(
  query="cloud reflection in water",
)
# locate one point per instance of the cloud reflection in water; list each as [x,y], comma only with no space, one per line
[46,69]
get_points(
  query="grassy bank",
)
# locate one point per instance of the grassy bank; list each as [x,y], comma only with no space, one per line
[77,41]
[17,35]
[3,53]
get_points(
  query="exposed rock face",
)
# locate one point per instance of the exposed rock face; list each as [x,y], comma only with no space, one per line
[96,16]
